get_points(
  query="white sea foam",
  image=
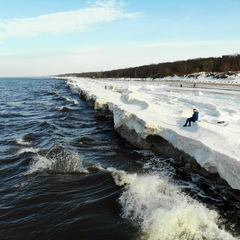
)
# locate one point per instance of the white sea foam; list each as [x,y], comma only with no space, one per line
[21,184]
[57,162]
[63,108]
[74,101]
[120,177]
[164,212]
[28,149]
[21,141]
[39,163]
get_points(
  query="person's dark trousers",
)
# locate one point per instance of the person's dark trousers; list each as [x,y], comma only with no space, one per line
[188,122]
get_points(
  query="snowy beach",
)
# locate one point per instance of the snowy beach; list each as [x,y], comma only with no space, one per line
[145,109]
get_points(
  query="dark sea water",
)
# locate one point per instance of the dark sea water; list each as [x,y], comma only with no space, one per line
[66,174]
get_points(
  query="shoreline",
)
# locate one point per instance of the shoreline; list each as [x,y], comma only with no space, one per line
[152,142]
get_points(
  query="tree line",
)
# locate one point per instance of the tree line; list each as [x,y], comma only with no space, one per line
[226,63]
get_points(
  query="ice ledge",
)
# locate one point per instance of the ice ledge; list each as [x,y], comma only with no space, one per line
[159,138]
[168,143]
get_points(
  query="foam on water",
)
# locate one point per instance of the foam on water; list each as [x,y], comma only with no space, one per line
[29,149]
[57,160]
[63,109]
[163,212]
[120,177]
[74,101]
[21,141]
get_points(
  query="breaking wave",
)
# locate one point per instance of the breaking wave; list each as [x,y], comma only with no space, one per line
[163,212]
[74,101]
[58,160]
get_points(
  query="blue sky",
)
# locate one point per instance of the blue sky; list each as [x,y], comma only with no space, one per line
[47,37]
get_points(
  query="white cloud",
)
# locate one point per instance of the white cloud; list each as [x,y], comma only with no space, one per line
[62,22]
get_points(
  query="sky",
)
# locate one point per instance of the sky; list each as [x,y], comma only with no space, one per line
[50,37]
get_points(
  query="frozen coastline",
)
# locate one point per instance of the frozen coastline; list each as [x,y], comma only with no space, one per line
[150,115]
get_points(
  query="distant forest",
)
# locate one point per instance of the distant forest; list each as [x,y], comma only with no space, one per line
[226,63]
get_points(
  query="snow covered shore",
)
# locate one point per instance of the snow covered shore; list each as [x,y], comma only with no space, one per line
[150,114]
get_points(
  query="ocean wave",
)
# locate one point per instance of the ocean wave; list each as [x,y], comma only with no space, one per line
[64,109]
[22,141]
[74,101]
[28,149]
[162,211]
[58,161]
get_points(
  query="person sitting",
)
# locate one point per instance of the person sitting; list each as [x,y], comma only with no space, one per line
[194,118]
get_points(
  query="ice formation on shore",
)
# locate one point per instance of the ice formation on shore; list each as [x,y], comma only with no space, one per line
[143,109]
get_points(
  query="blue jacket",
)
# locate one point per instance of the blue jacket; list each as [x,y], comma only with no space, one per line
[195,116]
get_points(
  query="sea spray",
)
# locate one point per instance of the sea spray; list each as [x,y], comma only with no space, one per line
[22,141]
[120,177]
[163,212]
[28,149]
[57,160]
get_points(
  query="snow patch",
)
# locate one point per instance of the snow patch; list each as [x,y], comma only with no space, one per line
[156,108]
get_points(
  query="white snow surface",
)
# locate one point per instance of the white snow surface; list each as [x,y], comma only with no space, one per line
[162,107]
